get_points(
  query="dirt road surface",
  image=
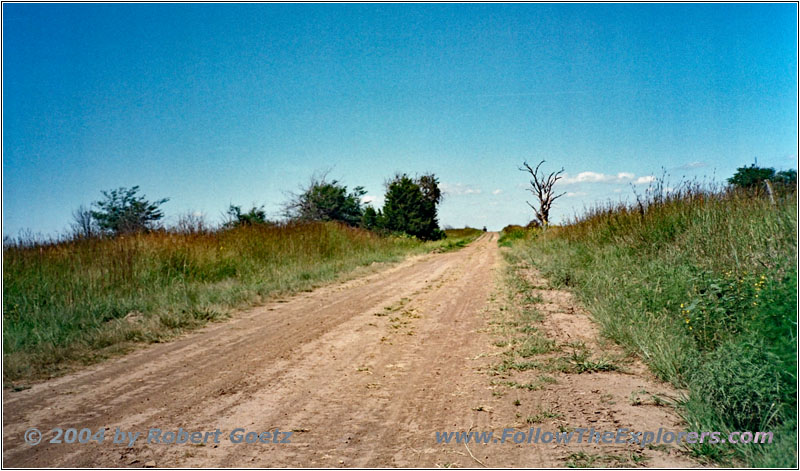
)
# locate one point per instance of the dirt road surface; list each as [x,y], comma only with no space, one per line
[363,373]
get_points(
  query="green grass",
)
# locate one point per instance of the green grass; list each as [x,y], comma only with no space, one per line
[542,415]
[512,233]
[458,238]
[521,338]
[539,383]
[701,286]
[81,301]
[535,344]
[580,361]
[582,459]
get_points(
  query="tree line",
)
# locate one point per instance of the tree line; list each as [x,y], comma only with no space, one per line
[410,207]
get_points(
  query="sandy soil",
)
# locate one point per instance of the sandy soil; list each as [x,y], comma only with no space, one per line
[363,373]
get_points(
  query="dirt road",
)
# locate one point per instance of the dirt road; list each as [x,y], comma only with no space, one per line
[363,373]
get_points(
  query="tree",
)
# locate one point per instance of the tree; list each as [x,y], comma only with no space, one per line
[751,177]
[235,216]
[326,201]
[371,219]
[429,185]
[410,206]
[192,222]
[786,178]
[123,211]
[542,189]
[756,179]
[83,224]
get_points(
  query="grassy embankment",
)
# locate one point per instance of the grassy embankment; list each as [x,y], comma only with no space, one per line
[79,302]
[702,286]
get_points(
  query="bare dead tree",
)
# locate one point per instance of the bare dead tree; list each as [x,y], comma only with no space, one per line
[542,189]
[191,222]
[83,224]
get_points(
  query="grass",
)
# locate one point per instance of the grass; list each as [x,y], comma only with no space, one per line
[582,459]
[511,233]
[539,383]
[510,364]
[521,339]
[458,238]
[543,415]
[701,285]
[580,361]
[535,344]
[80,301]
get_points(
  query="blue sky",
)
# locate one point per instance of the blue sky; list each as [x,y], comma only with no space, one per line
[212,104]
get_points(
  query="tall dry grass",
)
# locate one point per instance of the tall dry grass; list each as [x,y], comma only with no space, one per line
[701,283]
[79,301]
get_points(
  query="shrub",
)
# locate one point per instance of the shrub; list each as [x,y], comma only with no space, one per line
[124,212]
[410,207]
[752,177]
[326,201]
[256,215]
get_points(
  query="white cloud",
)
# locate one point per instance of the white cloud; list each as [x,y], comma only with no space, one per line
[617,190]
[497,191]
[575,194]
[692,165]
[587,177]
[458,189]
[597,177]
[374,201]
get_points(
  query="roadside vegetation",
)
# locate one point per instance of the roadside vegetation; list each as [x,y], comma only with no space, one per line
[121,278]
[80,301]
[702,285]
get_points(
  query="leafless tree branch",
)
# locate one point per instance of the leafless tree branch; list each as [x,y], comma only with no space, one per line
[542,188]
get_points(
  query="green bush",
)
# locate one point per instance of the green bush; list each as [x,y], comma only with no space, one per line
[410,207]
[511,233]
[326,201]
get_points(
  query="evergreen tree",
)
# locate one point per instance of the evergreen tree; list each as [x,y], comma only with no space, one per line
[411,207]
[370,219]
